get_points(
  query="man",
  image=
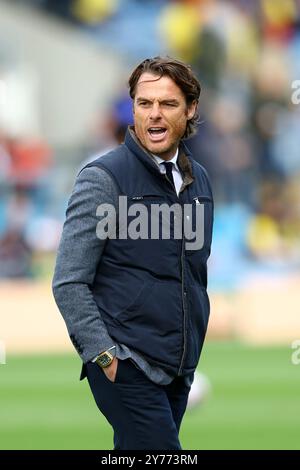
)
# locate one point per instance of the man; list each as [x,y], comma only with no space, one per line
[134,300]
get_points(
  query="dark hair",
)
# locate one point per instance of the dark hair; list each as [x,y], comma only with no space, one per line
[180,73]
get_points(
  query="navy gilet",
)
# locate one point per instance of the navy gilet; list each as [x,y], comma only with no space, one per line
[151,292]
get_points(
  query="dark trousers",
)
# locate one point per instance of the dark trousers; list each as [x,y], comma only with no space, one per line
[144,415]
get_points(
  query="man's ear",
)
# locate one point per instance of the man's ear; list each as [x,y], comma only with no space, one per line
[192,109]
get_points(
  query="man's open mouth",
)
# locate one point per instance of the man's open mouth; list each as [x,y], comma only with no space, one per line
[157,133]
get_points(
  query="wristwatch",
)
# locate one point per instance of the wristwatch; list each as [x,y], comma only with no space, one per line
[105,358]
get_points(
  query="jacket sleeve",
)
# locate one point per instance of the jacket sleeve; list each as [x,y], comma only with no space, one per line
[79,253]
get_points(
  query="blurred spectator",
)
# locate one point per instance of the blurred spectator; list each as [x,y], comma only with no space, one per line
[30,160]
[113,129]
[279,18]
[273,233]
[180,27]
[61,8]
[24,165]
[225,146]
[5,159]
[15,255]
[93,11]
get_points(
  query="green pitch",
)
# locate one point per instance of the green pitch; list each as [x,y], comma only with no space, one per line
[254,403]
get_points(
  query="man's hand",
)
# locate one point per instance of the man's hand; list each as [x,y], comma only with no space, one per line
[111,370]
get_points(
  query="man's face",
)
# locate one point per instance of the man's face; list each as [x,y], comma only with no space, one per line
[160,114]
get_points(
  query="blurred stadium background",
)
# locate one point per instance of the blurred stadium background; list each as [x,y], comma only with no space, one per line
[63,71]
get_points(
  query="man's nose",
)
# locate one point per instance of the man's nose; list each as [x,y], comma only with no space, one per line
[155,112]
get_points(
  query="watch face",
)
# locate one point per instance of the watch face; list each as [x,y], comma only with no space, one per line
[104,360]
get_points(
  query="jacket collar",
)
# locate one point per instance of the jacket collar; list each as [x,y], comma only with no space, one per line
[184,158]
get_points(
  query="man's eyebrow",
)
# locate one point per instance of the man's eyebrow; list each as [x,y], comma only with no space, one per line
[143,99]
[169,101]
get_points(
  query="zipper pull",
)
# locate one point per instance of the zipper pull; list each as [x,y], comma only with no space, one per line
[196,199]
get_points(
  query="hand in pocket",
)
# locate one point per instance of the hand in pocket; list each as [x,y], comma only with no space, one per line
[111,370]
